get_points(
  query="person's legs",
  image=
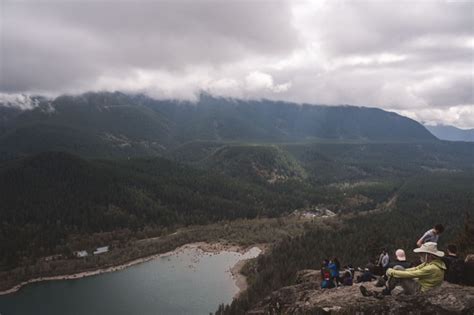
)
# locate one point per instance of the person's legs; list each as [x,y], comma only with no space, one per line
[393,282]
[381,281]
[410,286]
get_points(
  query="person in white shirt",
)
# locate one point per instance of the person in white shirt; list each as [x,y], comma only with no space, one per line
[431,235]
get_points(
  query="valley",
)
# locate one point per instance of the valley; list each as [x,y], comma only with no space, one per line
[136,178]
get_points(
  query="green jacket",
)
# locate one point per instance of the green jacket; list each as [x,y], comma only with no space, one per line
[428,275]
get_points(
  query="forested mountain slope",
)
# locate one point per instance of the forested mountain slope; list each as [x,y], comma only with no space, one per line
[56,195]
[422,202]
[117,124]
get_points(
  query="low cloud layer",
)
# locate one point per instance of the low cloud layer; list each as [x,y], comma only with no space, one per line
[412,57]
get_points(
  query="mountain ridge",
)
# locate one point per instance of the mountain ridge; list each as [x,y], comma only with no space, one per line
[116,124]
[451,133]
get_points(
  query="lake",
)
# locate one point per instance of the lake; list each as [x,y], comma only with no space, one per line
[188,281]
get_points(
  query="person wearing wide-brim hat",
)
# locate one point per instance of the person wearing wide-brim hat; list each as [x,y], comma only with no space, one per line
[422,278]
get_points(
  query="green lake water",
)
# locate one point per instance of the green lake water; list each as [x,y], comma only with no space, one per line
[187,282]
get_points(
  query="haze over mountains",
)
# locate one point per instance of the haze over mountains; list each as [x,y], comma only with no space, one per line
[118,124]
[451,133]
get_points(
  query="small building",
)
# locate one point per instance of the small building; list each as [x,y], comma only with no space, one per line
[52,257]
[81,253]
[101,250]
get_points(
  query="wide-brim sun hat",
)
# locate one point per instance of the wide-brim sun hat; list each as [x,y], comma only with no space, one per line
[429,248]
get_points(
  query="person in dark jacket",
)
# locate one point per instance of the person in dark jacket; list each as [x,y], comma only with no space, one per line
[455,272]
[469,270]
[400,260]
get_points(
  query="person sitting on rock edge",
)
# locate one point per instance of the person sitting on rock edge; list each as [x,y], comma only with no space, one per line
[347,278]
[454,264]
[334,267]
[383,261]
[326,279]
[469,270]
[428,275]
[400,260]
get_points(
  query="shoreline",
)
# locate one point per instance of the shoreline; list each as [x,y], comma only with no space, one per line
[239,279]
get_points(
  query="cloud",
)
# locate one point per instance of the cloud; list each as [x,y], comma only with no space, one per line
[461,116]
[257,80]
[413,57]
[62,45]
[23,102]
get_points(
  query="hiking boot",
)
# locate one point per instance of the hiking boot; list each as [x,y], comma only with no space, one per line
[364,291]
[379,295]
[386,291]
[380,282]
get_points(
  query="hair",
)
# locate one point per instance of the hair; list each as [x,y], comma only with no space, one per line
[469,258]
[452,248]
[439,228]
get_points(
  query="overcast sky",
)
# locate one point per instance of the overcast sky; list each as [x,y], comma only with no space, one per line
[415,58]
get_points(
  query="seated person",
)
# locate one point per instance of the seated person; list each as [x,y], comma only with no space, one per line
[455,265]
[367,276]
[334,266]
[347,277]
[400,260]
[382,263]
[422,278]
[326,279]
[469,270]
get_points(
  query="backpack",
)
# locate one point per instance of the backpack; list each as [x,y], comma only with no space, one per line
[326,282]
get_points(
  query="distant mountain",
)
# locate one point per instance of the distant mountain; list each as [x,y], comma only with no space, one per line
[237,120]
[451,133]
[116,124]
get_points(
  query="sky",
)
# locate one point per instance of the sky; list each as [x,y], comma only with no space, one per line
[411,57]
